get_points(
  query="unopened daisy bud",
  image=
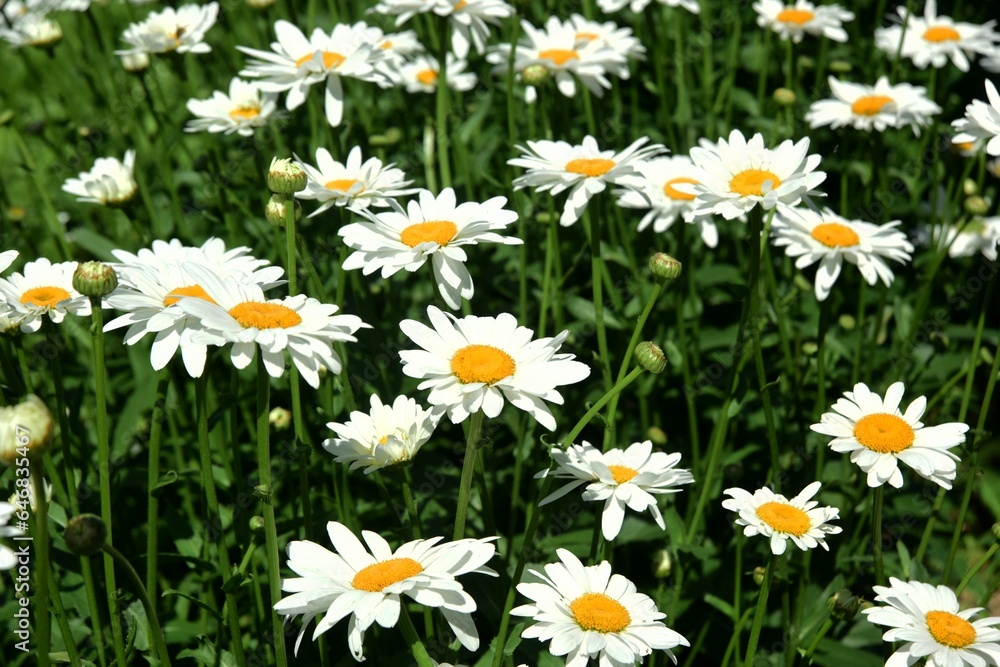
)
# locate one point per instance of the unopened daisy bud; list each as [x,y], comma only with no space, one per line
[664,267]
[809,348]
[257,527]
[847,322]
[758,575]
[865,604]
[284,177]
[280,418]
[135,62]
[650,357]
[977,205]
[843,605]
[390,137]
[840,67]
[275,211]
[25,430]
[262,491]
[535,75]
[94,279]
[545,218]
[970,187]
[996,530]
[656,434]
[260,4]
[805,62]
[785,97]
[85,534]
[663,564]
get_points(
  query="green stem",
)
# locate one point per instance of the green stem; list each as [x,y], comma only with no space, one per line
[975,568]
[153,504]
[758,617]
[155,631]
[417,647]
[61,619]
[411,505]
[468,468]
[821,405]
[597,285]
[443,100]
[877,535]
[823,629]
[43,622]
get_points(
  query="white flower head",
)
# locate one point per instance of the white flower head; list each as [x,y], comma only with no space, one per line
[420,75]
[934,40]
[977,236]
[242,110]
[801,17]
[609,6]
[873,107]
[181,30]
[779,519]
[42,289]
[610,34]
[981,122]
[32,29]
[879,436]
[470,19]
[354,183]
[110,182]
[8,559]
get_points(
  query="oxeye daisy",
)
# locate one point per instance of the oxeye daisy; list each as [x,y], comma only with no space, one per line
[779,519]
[608,6]
[736,175]
[181,30]
[42,289]
[386,436]
[632,477]
[979,235]
[620,39]
[879,436]
[8,559]
[873,107]
[395,46]
[420,75]
[368,587]
[933,40]
[813,236]
[589,613]
[473,363]
[356,183]
[237,312]
[470,19]
[32,29]
[585,170]
[927,620]
[981,122]
[800,17]
[434,228]
[110,182]
[242,110]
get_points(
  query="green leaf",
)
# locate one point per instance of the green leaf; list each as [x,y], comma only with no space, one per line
[720,604]
[171,592]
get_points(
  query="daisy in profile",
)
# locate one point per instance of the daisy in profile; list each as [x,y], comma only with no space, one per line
[632,477]
[181,30]
[779,519]
[356,183]
[557,50]
[7,258]
[802,17]
[8,559]
[395,46]
[608,6]
[32,29]
[879,436]
[420,75]
[242,110]
[434,228]
[736,175]
[110,182]
[981,122]
[470,19]
[369,587]
[934,40]
[474,363]
[585,170]
[43,289]
[620,39]
[977,236]
[589,613]
[812,236]
[873,107]
[658,193]
[386,436]
[238,313]
[927,621]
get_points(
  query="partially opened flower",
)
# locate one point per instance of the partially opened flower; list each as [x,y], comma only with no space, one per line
[779,519]
[181,30]
[43,289]
[608,6]
[356,182]
[368,587]
[873,107]
[934,40]
[927,621]
[620,478]
[474,363]
[110,182]
[879,436]
[242,110]
[801,17]
[981,122]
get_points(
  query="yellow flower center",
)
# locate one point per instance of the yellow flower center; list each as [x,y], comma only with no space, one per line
[942,33]
[622,474]
[591,167]
[869,105]
[330,59]
[428,77]
[376,577]
[674,193]
[835,235]
[460,6]
[244,113]
[256,315]
[559,57]
[796,16]
[598,612]
[884,433]
[784,518]
[965,145]
[586,36]
[45,297]
[751,182]
[950,630]
[341,184]
[482,363]
[194,290]
[438,231]
[386,45]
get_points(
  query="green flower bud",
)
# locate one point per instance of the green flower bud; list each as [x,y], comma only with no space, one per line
[391,137]
[840,67]
[85,534]
[977,205]
[656,434]
[650,357]
[785,97]
[259,4]
[535,75]
[662,564]
[284,177]
[275,211]
[843,605]
[970,187]
[664,267]
[94,279]
[996,530]
[847,322]
[280,418]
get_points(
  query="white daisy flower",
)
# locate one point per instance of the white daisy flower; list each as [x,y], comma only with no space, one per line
[354,183]
[800,17]
[242,110]
[619,39]
[608,6]
[873,107]
[110,182]
[585,170]
[368,586]
[879,436]
[978,236]
[813,236]
[473,363]
[386,436]
[470,19]
[933,40]
[31,30]
[665,202]
[928,620]
[588,613]
[42,289]
[181,30]
[432,228]
[991,61]
[632,477]
[239,313]
[7,258]
[420,75]
[981,122]
[8,559]
[295,63]
[737,175]
[396,46]
[558,50]
[779,519]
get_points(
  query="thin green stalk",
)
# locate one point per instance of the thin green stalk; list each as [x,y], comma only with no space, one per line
[733,646]
[468,468]
[821,405]
[61,619]
[977,567]
[877,535]
[596,283]
[153,503]
[859,326]
[417,647]
[758,616]
[155,631]
[823,629]
[43,623]
[551,247]
[65,446]
[682,114]
[411,505]
[738,591]
[443,101]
